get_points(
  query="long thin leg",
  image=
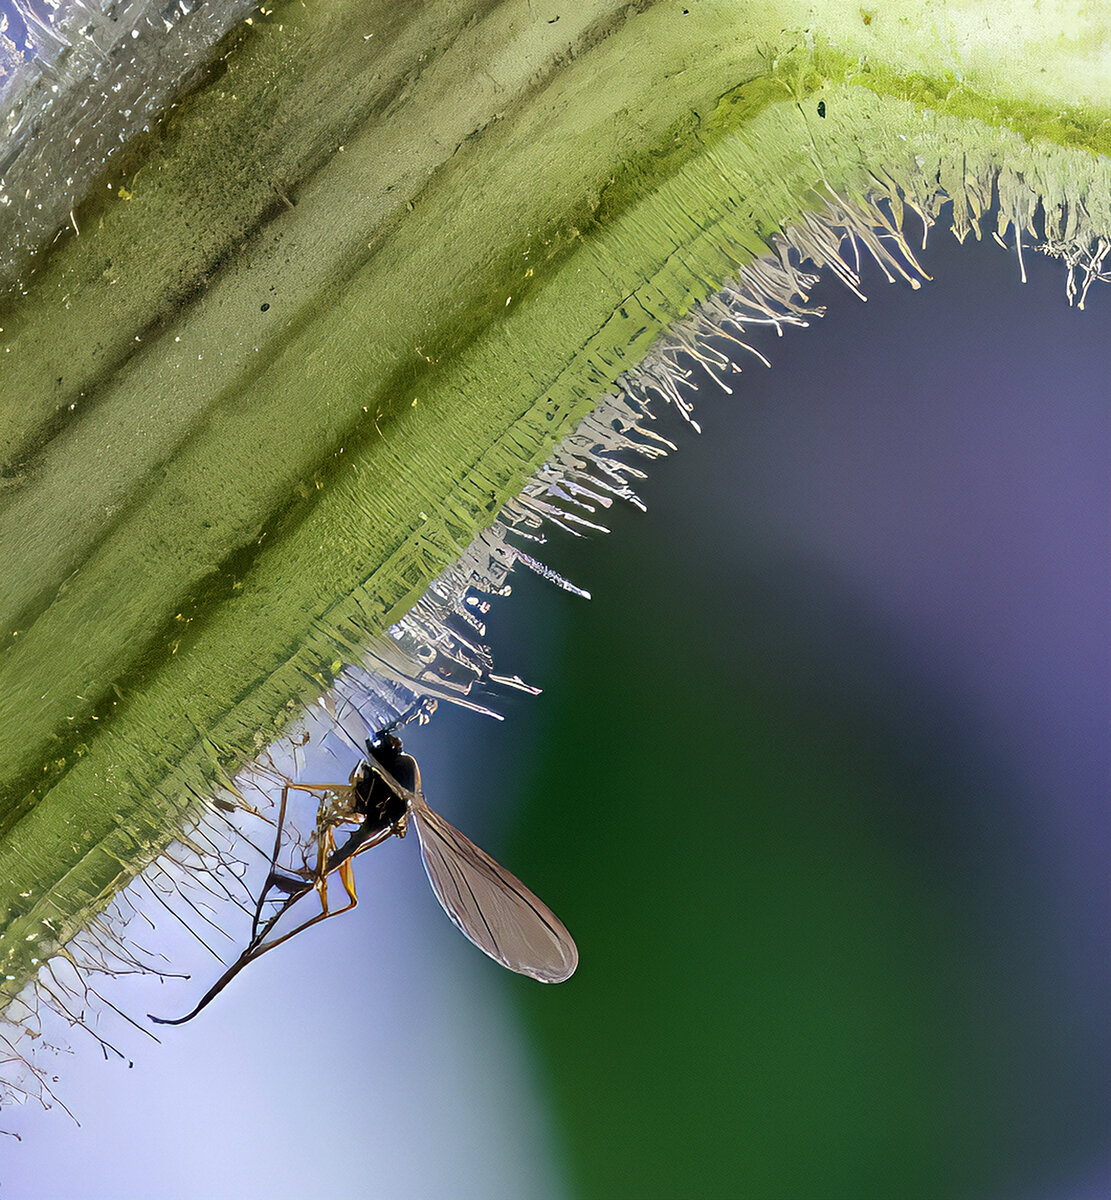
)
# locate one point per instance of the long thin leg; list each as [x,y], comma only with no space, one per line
[347,876]
[289,787]
[259,946]
[325,845]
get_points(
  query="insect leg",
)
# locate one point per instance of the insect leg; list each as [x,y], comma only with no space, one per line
[328,861]
[272,874]
[347,877]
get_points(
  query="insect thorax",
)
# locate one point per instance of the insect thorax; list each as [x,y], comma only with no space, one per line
[376,801]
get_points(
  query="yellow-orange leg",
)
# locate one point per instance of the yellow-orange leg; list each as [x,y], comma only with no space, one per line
[347,876]
[336,789]
[258,946]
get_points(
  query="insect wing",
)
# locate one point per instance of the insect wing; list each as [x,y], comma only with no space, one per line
[490,905]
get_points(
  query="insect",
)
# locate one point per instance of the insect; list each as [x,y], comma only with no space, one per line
[486,903]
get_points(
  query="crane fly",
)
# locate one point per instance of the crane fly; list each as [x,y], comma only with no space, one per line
[488,904]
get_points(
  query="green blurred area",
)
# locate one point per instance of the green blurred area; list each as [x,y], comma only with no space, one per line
[820,785]
[795,977]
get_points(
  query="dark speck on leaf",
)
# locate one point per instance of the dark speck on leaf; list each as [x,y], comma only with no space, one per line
[266,306]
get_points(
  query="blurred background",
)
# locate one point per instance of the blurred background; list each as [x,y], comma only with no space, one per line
[818,780]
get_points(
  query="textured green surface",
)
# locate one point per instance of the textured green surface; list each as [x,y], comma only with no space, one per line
[322,326]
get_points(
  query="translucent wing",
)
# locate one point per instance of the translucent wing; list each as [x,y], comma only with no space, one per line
[491,906]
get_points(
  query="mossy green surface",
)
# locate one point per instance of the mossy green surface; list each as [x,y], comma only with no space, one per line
[324,324]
